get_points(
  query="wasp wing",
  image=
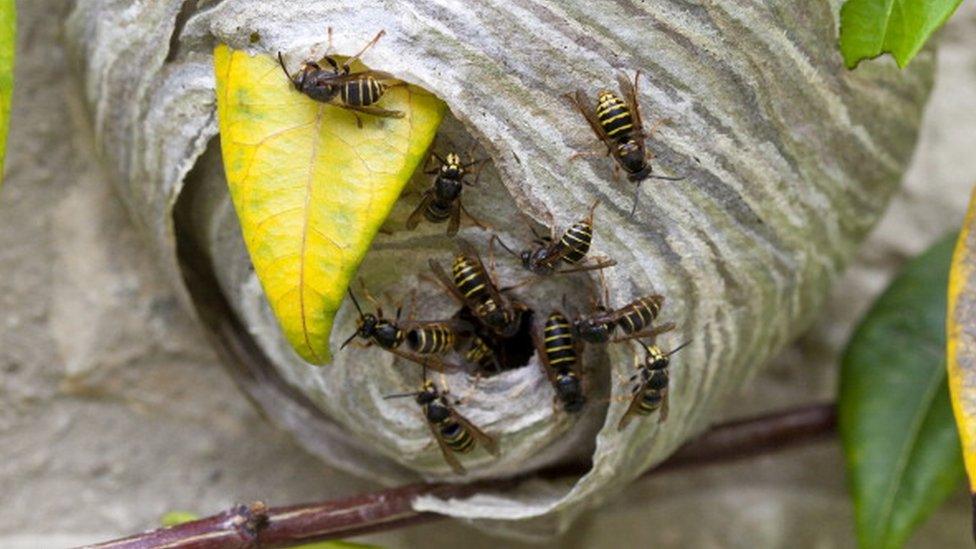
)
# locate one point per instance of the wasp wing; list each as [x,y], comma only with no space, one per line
[583,106]
[447,283]
[415,216]
[538,339]
[651,333]
[629,91]
[455,222]
[663,412]
[638,394]
[468,251]
[482,437]
[360,75]
[433,362]
[449,456]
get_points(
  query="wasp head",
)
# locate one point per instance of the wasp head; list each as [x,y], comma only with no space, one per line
[569,390]
[591,331]
[633,159]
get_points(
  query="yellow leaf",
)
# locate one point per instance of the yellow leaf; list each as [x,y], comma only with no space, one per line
[961,351]
[311,189]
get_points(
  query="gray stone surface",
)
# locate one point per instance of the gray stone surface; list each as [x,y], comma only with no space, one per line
[114,410]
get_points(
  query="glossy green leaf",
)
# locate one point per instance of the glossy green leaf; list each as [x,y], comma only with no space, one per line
[8,39]
[869,28]
[900,442]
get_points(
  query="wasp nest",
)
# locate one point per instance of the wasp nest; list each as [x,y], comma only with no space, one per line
[789,161]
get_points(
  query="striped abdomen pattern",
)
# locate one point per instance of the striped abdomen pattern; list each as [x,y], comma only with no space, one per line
[472,282]
[577,238]
[481,354]
[654,390]
[362,91]
[455,436]
[559,343]
[431,338]
[437,211]
[614,116]
[639,314]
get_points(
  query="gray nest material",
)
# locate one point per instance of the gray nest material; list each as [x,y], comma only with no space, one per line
[789,159]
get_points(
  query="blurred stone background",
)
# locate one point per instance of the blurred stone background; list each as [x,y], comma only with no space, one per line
[113,409]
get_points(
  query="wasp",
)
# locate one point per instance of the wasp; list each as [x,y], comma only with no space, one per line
[651,391]
[426,339]
[471,285]
[442,202]
[452,431]
[482,355]
[559,354]
[634,319]
[339,86]
[571,248]
[618,124]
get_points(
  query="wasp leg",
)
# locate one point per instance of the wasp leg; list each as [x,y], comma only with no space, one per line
[473,219]
[580,154]
[598,266]
[374,111]
[368,45]
[649,134]
[651,333]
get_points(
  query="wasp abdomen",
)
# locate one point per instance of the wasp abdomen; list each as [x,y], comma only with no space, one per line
[481,354]
[361,92]
[577,238]
[559,343]
[640,313]
[437,211]
[431,339]
[456,436]
[470,280]
[654,391]
[614,116]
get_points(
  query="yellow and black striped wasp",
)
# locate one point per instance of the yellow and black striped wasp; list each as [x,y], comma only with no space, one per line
[651,391]
[452,431]
[442,201]
[559,354]
[618,124]
[355,91]
[426,339]
[472,286]
[571,248]
[634,319]
[482,355]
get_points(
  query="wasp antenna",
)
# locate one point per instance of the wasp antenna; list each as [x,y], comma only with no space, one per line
[349,340]
[667,177]
[633,209]
[356,302]
[401,395]
[592,208]
[425,372]
[507,249]
[644,345]
[679,347]
[281,61]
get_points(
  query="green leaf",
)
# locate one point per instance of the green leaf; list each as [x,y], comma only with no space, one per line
[8,39]
[177,517]
[900,442]
[869,28]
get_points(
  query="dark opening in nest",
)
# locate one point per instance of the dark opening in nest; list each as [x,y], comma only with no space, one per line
[508,353]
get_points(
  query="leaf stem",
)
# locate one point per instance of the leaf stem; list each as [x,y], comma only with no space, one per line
[258,526]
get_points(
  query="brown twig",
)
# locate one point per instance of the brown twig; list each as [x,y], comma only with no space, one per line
[258,526]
